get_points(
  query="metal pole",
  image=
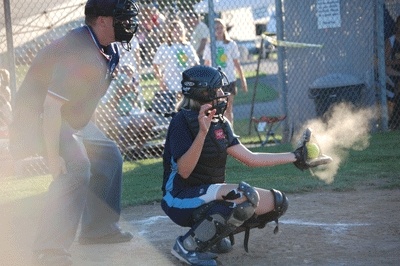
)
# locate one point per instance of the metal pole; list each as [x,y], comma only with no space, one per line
[281,70]
[213,47]
[256,83]
[10,49]
[380,48]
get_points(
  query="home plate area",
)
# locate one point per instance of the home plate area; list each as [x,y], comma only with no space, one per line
[326,228]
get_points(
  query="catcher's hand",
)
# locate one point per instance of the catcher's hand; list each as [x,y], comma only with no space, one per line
[302,161]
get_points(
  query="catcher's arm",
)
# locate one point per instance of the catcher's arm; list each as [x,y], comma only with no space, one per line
[302,161]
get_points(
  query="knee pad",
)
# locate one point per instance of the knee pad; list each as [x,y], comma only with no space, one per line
[281,202]
[246,190]
[211,228]
[241,213]
[244,210]
[250,193]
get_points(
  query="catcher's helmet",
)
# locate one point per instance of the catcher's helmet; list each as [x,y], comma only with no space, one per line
[124,12]
[201,83]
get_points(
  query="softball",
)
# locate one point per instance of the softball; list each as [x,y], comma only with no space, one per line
[312,150]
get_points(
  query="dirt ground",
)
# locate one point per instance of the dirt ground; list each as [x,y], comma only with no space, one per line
[327,228]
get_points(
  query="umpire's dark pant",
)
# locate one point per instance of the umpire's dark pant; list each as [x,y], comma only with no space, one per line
[91,190]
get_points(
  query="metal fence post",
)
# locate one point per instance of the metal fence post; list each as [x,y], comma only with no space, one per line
[213,47]
[281,71]
[380,43]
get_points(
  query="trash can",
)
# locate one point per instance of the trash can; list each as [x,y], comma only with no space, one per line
[335,88]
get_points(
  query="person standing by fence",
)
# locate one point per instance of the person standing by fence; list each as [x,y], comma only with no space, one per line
[173,56]
[228,59]
[199,35]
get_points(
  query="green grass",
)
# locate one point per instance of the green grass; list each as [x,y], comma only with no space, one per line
[377,167]
[264,93]
[241,127]
[14,189]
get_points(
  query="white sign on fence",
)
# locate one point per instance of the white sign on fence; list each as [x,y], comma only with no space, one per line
[328,13]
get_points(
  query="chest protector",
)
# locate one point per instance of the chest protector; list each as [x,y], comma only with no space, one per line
[210,168]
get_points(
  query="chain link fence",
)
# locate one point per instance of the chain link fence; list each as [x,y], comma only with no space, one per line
[299,58]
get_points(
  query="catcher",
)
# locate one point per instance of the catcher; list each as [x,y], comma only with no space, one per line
[195,194]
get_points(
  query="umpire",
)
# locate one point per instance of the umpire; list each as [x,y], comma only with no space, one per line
[52,117]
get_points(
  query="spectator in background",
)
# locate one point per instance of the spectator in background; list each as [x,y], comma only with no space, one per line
[228,59]
[173,56]
[121,95]
[172,13]
[150,32]
[120,115]
[132,59]
[392,59]
[199,34]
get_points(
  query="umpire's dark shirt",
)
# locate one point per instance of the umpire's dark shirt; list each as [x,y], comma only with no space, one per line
[72,67]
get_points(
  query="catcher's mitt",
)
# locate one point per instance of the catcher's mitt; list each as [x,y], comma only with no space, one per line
[302,161]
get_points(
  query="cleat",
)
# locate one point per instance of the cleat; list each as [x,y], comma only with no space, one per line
[193,257]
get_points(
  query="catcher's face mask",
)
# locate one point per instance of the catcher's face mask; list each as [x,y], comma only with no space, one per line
[220,101]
